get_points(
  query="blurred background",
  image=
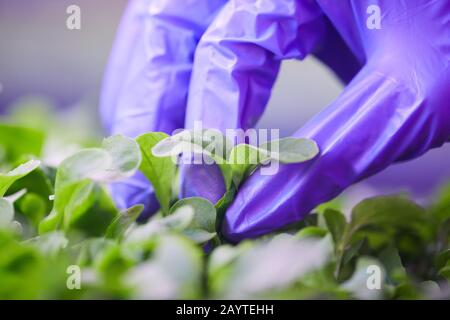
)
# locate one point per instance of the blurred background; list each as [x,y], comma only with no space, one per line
[40,57]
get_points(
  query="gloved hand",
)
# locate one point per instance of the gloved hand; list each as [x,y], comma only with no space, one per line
[396,108]
[148,76]
[147,79]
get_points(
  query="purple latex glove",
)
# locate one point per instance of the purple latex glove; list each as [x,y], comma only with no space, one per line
[147,79]
[396,107]
[148,76]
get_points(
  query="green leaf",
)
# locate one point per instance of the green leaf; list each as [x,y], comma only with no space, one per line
[335,204]
[125,157]
[91,249]
[123,221]
[222,257]
[172,146]
[392,262]
[178,221]
[159,171]
[39,183]
[311,232]
[204,213]
[174,272]
[6,213]
[77,176]
[252,273]
[225,201]
[352,250]
[243,160]
[6,180]
[14,197]
[113,262]
[440,208]
[385,216]
[228,175]
[16,141]
[445,272]
[16,227]
[50,223]
[336,224]
[291,150]
[33,207]
[118,159]
[208,141]
[391,219]
[51,243]
[27,274]
[73,173]
[95,220]
[81,199]
[38,186]
[220,266]
[442,259]
[199,235]
[389,211]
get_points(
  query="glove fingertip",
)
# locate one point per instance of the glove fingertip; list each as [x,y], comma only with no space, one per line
[126,196]
[201,180]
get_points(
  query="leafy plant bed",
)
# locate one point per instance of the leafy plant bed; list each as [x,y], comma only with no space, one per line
[56,222]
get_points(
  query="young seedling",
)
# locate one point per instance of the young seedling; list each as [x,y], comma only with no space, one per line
[6,204]
[79,178]
[236,162]
[239,161]
[159,171]
[161,154]
[7,179]
[176,255]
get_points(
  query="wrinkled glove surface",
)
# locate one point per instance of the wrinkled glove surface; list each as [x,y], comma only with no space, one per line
[224,56]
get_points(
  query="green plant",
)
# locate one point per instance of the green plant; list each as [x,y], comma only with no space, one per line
[236,162]
[177,252]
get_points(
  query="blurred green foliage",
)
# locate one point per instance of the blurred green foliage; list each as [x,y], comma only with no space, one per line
[57,214]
